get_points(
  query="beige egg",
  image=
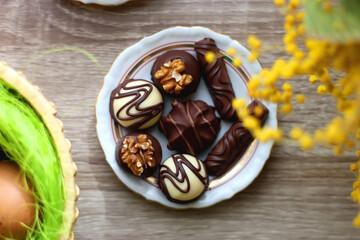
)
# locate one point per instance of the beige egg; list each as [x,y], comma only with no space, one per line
[17,204]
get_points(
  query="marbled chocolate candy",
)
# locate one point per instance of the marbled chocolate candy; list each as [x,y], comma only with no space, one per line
[136,104]
[183,178]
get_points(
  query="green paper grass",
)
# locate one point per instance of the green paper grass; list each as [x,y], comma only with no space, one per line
[67,48]
[340,23]
[25,140]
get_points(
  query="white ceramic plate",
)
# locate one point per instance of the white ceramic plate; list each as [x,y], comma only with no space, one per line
[104,2]
[136,62]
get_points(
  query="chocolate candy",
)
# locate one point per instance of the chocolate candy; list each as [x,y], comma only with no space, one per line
[233,144]
[139,153]
[190,127]
[136,104]
[176,73]
[217,78]
[183,178]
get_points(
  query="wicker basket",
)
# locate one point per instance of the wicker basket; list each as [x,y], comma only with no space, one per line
[47,112]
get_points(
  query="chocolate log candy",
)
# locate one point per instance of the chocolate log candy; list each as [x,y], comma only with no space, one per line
[217,78]
[176,73]
[264,111]
[190,127]
[233,144]
[136,104]
[139,153]
[183,178]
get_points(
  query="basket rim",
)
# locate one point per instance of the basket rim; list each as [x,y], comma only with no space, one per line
[47,112]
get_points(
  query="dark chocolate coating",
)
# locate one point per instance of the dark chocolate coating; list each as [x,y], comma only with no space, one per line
[145,113]
[191,68]
[148,171]
[216,78]
[190,127]
[181,176]
[233,144]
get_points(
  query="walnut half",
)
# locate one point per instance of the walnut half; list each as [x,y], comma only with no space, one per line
[171,78]
[138,155]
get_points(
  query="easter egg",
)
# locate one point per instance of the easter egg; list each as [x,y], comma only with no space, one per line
[17,202]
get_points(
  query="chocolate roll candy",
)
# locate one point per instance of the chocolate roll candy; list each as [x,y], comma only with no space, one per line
[190,127]
[139,154]
[183,178]
[217,78]
[265,111]
[233,144]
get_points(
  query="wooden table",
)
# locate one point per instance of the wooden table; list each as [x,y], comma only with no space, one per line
[297,195]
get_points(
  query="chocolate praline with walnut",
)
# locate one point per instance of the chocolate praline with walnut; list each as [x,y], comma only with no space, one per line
[139,153]
[176,73]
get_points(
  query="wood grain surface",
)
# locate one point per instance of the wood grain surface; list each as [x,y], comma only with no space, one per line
[297,195]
